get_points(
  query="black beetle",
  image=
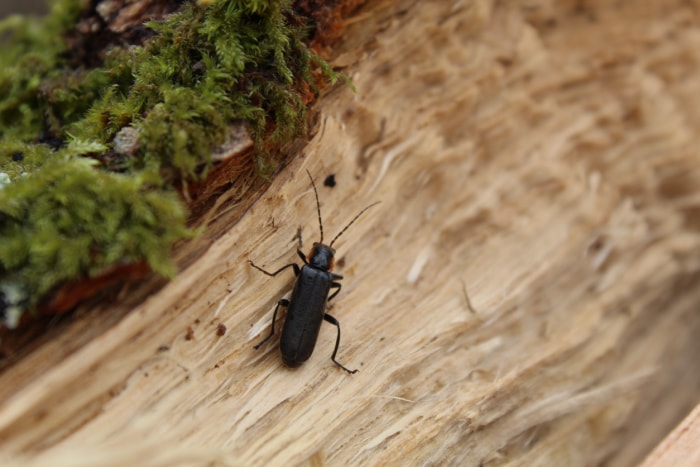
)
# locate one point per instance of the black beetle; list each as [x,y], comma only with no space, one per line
[306,309]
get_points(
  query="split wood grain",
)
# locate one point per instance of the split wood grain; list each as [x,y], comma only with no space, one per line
[526,293]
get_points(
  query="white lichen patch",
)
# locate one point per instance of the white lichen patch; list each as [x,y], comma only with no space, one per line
[238,140]
[126,141]
[11,298]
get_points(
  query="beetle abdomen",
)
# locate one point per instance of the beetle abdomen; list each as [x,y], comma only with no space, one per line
[304,315]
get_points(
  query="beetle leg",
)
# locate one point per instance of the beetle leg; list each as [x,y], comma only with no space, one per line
[302,256]
[335,323]
[335,285]
[273,274]
[285,303]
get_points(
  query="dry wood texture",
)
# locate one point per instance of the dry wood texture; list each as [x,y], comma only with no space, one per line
[527,293]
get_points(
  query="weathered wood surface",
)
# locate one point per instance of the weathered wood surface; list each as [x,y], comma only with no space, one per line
[527,293]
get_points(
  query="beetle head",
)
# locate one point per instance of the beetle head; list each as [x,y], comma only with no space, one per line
[321,257]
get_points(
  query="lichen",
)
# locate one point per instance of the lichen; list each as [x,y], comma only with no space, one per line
[70,204]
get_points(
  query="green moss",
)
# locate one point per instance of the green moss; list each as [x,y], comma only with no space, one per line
[70,220]
[65,213]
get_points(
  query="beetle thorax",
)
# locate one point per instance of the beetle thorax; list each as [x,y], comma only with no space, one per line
[321,257]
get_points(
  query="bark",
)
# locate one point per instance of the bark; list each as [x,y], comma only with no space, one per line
[525,294]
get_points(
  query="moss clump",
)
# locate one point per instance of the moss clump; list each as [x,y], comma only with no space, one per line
[74,221]
[70,205]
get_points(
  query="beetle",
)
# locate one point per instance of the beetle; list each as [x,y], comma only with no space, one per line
[306,309]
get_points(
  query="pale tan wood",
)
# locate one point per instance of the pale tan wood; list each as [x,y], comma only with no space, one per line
[681,447]
[526,293]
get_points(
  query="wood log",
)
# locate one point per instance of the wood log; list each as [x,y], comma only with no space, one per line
[525,294]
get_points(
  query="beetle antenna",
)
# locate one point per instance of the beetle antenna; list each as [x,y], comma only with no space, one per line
[352,221]
[318,205]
